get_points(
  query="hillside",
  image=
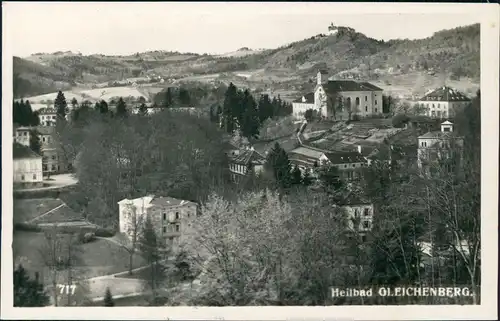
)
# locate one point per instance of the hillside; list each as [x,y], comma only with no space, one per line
[401,66]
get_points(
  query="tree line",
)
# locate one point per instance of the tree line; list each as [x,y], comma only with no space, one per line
[240,111]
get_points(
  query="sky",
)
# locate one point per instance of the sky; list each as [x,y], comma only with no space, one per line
[210,27]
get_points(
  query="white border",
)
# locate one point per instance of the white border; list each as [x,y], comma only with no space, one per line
[487,14]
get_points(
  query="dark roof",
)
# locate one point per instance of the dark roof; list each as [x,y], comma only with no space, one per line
[372,86]
[350,198]
[169,201]
[309,98]
[44,111]
[247,156]
[445,94]
[335,86]
[439,134]
[345,157]
[300,159]
[20,151]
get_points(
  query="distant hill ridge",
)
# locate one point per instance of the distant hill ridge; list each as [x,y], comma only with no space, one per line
[345,52]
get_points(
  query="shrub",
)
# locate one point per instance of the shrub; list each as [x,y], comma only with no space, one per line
[86,237]
[27,227]
[355,117]
[399,120]
[105,232]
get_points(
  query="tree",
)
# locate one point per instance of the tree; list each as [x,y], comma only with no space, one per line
[184,97]
[74,103]
[388,104]
[103,107]
[133,229]
[143,109]
[231,100]
[168,100]
[330,177]
[108,299]
[250,119]
[309,114]
[121,108]
[278,163]
[307,179]
[35,143]
[296,175]
[400,120]
[153,251]
[28,292]
[60,105]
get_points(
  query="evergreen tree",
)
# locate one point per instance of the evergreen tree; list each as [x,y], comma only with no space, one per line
[228,116]
[97,106]
[330,178]
[296,176]
[103,107]
[108,299]
[250,120]
[168,101]
[277,161]
[35,143]
[74,103]
[27,292]
[265,108]
[60,105]
[23,115]
[121,108]
[184,98]
[143,109]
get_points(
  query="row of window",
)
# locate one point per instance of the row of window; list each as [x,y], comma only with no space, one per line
[48,117]
[172,228]
[45,158]
[238,168]
[366,212]
[23,177]
[177,216]
[438,114]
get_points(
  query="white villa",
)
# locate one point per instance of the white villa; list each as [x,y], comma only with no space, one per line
[339,99]
[443,102]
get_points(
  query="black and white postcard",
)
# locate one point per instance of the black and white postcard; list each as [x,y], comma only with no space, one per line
[249,160]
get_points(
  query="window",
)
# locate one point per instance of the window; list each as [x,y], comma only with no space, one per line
[356,213]
[53,167]
[357,101]
[43,139]
[25,134]
[363,238]
[353,165]
[366,224]
[375,102]
[345,166]
[177,227]
[22,177]
[53,157]
[164,229]
[366,212]
[433,106]
[34,176]
[53,117]
[366,98]
[366,108]
[439,106]
[48,139]
[177,215]
[164,216]
[375,109]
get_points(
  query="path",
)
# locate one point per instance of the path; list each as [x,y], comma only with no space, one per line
[57,181]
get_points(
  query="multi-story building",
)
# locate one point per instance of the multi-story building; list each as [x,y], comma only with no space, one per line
[243,162]
[22,135]
[54,160]
[171,217]
[27,166]
[47,116]
[301,105]
[341,99]
[359,212]
[349,163]
[443,102]
[438,146]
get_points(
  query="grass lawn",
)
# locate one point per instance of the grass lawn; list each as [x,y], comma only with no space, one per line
[27,209]
[100,257]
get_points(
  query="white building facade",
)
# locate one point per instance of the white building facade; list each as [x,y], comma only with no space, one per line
[443,102]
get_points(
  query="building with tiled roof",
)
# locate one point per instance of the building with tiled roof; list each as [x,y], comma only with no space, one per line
[341,99]
[443,102]
[245,161]
[348,163]
[54,159]
[27,166]
[170,217]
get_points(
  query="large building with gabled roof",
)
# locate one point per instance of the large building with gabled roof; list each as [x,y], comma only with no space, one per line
[443,102]
[340,99]
[27,166]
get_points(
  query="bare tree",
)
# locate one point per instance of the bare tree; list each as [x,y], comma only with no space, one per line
[134,224]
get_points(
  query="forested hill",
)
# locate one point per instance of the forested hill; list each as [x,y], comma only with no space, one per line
[452,54]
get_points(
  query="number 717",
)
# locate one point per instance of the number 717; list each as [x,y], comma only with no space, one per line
[67,289]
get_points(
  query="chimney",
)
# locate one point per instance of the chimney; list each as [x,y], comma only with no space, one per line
[359,149]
